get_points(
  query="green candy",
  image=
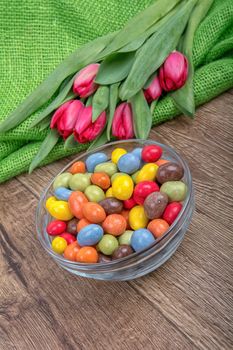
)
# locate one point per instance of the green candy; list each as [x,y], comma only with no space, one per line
[125,238]
[94,193]
[108,244]
[134,176]
[175,190]
[106,167]
[79,182]
[62,180]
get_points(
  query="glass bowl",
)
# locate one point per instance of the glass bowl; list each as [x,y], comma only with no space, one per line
[139,263]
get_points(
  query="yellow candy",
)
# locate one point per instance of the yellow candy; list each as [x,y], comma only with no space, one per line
[117,153]
[59,245]
[122,187]
[50,201]
[147,173]
[60,210]
[108,193]
[137,217]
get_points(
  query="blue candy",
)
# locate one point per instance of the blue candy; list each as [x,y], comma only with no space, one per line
[137,152]
[95,159]
[90,235]
[128,163]
[141,239]
[62,193]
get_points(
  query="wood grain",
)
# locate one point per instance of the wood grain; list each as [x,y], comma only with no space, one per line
[185,304]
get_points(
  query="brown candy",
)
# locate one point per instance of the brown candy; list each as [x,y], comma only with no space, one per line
[104,258]
[72,226]
[155,205]
[169,172]
[122,251]
[111,205]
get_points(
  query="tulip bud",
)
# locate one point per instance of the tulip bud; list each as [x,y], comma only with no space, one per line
[65,117]
[153,91]
[122,124]
[85,130]
[174,71]
[84,84]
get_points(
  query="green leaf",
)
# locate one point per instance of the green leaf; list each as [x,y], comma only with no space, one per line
[91,52]
[153,105]
[70,142]
[184,97]
[45,148]
[99,141]
[100,101]
[149,81]
[141,115]
[89,101]
[44,123]
[115,68]
[112,106]
[153,53]
[139,24]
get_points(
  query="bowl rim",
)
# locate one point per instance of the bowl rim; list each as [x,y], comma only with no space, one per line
[153,247]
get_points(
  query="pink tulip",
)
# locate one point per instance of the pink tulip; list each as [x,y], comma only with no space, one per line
[154,90]
[122,124]
[84,84]
[174,71]
[65,117]
[85,130]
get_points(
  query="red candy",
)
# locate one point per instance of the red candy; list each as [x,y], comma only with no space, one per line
[143,189]
[68,237]
[56,227]
[151,153]
[171,212]
[129,203]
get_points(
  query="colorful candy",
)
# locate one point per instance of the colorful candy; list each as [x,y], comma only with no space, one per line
[155,205]
[90,235]
[128,163]
[109,207]
[94,193]
[142,239]
[137,217]
[56,227]
[94,160]
[122,187]
[115,224]
[117,153]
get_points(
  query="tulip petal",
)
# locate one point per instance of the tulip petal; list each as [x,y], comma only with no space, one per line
[57,115]
[84,119]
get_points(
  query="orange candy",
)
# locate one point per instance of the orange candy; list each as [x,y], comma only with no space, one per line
[125,214]
[158,227]
[78,167]
[101,179]
[76,201]
[161,162]
[93,212]
[87,255]
[71,251]
[82,223]
[114,224]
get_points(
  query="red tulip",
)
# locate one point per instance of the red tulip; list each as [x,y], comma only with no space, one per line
[122,124]
[65,117]
[85,130]
[84,84]
[174,71]
[154,90]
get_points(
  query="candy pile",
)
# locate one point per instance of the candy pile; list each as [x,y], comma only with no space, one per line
[107,209]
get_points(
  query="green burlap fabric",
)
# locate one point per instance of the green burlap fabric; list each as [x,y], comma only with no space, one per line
[36,36]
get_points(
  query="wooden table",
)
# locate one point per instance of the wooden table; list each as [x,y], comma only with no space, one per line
[185,304]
